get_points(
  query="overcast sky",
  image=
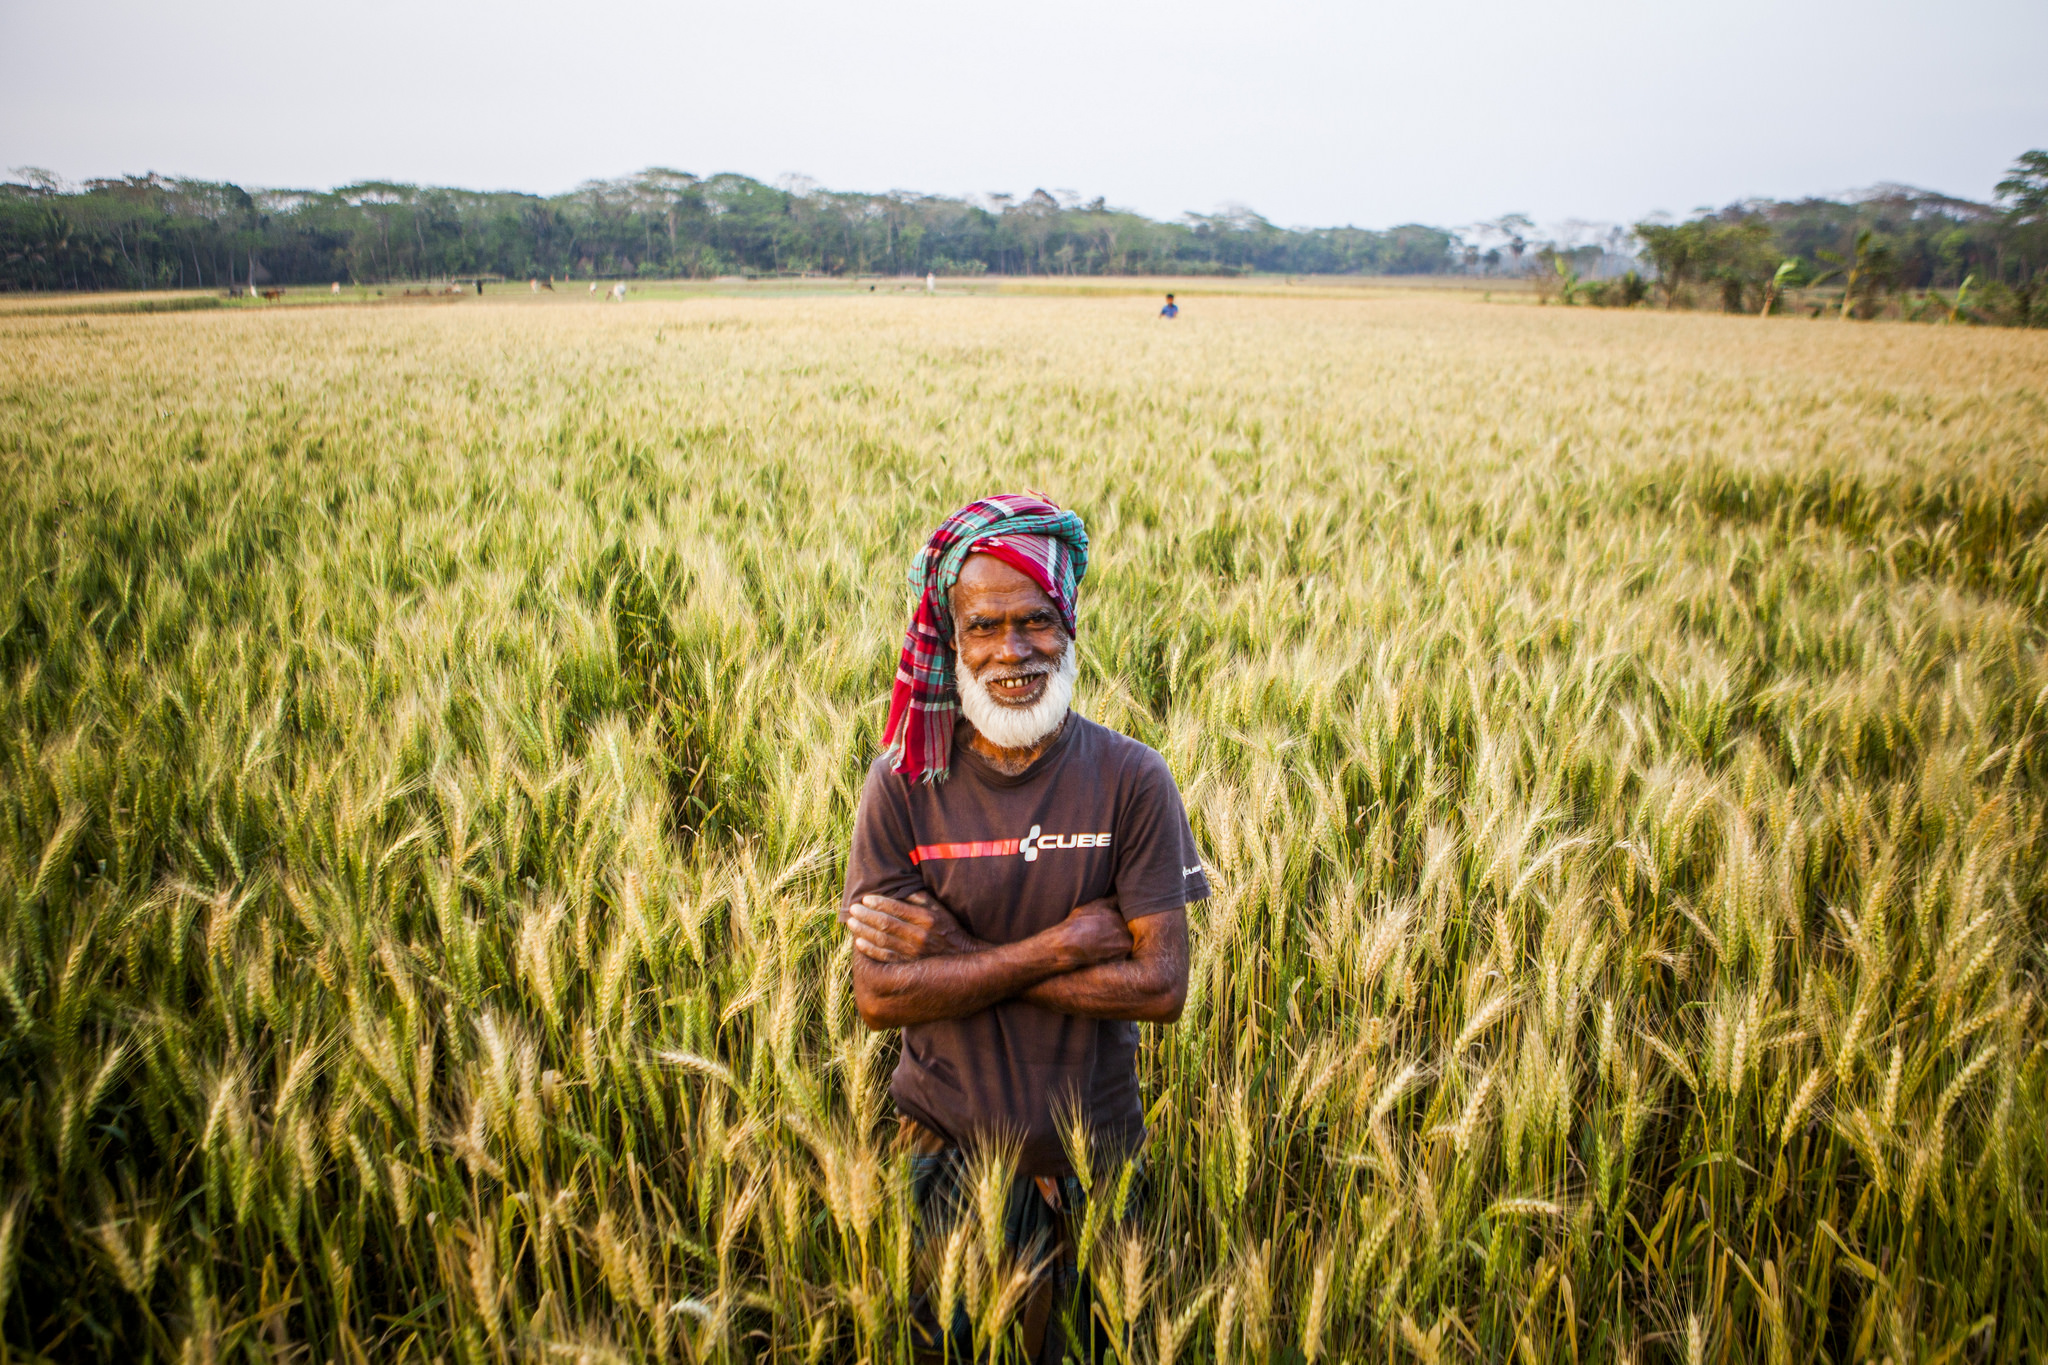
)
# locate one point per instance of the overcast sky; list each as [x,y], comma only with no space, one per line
[1311,112]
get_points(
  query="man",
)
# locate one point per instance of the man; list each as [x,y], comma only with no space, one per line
[1172,309]
[1016,889]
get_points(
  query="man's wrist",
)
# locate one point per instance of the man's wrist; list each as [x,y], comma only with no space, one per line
[956,941]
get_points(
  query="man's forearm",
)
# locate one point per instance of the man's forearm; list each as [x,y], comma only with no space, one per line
[1142,990]
[896,994]
[1151,985]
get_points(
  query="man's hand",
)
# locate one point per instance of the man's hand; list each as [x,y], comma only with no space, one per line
[1151,984]
[886,930]
[1096,933]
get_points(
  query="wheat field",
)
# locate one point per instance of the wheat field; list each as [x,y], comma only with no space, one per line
[430,738]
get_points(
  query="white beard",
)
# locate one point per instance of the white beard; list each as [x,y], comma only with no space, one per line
[1019,727]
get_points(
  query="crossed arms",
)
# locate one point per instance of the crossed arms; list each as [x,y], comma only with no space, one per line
[914,964]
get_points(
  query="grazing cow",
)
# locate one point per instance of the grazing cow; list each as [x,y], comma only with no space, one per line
[273,293]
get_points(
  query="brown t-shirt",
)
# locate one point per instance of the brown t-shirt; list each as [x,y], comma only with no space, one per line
[1097,814]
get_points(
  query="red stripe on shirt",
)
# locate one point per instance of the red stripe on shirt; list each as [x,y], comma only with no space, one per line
[986,848]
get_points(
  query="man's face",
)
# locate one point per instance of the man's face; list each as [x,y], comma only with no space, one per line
[1006,632]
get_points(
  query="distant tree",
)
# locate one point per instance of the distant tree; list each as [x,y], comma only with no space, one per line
[2025,188]
[1515,227]
[1869,267]
[1736,254]
[1741,257]
[1677,251]
[2024,192]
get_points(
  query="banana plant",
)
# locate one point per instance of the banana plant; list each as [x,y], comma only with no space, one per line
[1567,280]
[1856,271]
[1956,305]
[1785,271]
[1870,262]
[1951,308]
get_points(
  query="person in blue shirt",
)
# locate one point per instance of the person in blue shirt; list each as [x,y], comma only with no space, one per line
[1172,309]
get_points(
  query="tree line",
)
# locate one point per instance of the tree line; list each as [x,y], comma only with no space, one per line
[1891,250]
[150,231]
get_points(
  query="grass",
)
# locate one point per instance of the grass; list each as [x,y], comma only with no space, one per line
[430,738]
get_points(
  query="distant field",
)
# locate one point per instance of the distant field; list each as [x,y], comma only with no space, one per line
[442,293]
[431,731]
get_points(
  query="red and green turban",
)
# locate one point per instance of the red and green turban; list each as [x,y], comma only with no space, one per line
[1047,543]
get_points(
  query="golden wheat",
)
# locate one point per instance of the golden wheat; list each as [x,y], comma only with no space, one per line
[430,738]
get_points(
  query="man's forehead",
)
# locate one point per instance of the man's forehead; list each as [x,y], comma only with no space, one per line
[986,580]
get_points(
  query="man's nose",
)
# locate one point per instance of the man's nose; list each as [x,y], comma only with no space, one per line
[1015,646]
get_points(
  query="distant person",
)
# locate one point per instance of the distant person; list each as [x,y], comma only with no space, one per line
[593,286]
[336,289]
[931,284]
[479,286]
[619,292]
[534,285]
[1172,309]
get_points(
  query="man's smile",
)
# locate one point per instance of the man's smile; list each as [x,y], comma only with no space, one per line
[1022,689]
